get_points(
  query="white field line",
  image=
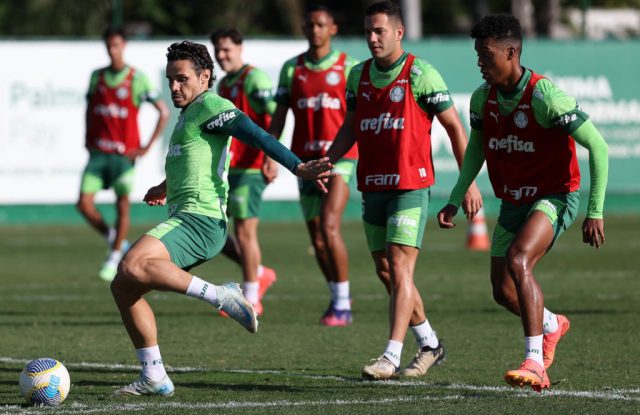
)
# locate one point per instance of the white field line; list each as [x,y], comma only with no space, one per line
[607,394]
[78,408]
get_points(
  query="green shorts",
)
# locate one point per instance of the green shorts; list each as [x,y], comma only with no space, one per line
[397,217]
[245,194]
[105,171]
[190,238]
[561,209]
[311,196]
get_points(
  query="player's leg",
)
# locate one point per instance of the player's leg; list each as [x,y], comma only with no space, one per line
[157,261]
[231,249]
[245,200]
[92,181]
[528,246]
[246,231]
[332,208]
[120,168]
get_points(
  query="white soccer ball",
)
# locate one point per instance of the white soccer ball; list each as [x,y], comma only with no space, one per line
[44,381]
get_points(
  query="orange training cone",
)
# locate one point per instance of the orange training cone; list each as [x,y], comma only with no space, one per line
[477,235]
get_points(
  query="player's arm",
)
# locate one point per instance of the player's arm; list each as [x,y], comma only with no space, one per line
[593,226]
[161,123]
[250,133]
[457,135]
[345,138]
[471,165]
[557,108]
[258,88]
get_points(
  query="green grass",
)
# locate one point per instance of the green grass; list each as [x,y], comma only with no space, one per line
[52,304]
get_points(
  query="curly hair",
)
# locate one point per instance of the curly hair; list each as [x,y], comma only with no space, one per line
[196,53]
[498,26]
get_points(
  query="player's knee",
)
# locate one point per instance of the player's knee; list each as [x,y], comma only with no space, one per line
[132,268]
[82,205]
[516,262]
[331,227]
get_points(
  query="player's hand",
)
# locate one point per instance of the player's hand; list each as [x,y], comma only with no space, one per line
[472,201]
[315,169]
[321,184]
[136,152]
[445,216]
[269,170]
[593,232]
[156,196]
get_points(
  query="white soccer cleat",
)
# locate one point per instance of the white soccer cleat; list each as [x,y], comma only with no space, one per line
[109,269]
[143,386]
[380,369]
[424,359]
[237,307]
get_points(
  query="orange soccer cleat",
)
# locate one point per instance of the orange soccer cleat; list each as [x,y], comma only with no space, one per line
[530,373]
[550,341]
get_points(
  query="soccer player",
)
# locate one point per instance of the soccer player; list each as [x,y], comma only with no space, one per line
[312,84]
[113,140]
[195,191]
[249,89]
[525,128]
[391,102]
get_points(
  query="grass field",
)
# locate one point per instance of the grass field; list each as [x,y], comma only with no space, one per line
[52,304]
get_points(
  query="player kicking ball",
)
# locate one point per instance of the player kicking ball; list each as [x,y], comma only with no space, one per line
[526,128]
[195,191]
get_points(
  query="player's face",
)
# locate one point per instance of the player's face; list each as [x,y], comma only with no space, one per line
[228,55]
[185,84]
[115,48]
[494,60]
[383,36]
[318,28]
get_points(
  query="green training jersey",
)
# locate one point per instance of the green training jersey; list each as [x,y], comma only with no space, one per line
[197,160]
[283,93]
[428,87]
[257,87]
[141,87]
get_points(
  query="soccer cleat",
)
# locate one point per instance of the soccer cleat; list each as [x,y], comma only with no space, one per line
[109,269]
[237,307]
[144,386]
[336,318]
[424,359]
[530,373]
[550,340]
[379,369]
[266,280]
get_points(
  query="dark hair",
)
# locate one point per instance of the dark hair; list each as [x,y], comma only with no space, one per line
[391,9]
[318,8]
[113,31]
[194,52]
[500,27]
[226,32]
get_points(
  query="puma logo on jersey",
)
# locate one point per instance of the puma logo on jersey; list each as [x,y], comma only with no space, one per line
[367,95]
[383,121]
[495,116]
[511,143]
[302,77]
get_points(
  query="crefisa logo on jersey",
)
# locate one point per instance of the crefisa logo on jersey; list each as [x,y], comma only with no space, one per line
[332,78]
[122,93]
[396,94]
[520,119]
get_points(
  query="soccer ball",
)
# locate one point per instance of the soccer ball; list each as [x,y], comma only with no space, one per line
[44,381]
